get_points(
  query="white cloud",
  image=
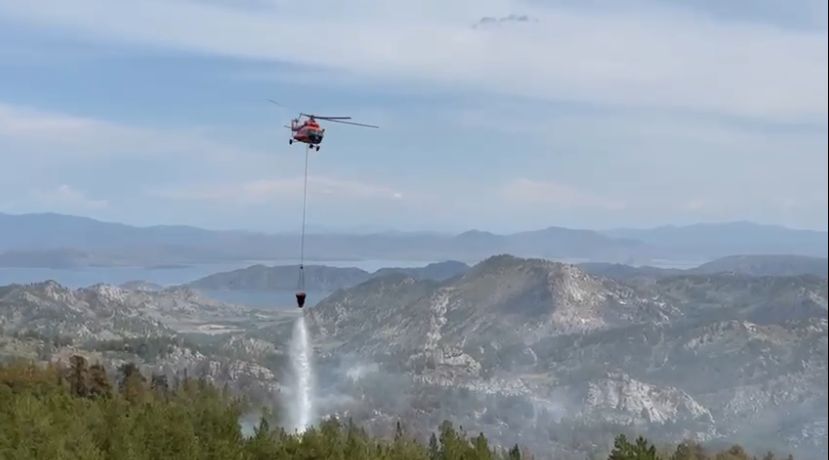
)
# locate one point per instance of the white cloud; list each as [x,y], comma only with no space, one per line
[55,134]
[43,150]
[696,204]
[46,148]
[287,190]
[524,191]
[662,58]
[68,199]
[28,131]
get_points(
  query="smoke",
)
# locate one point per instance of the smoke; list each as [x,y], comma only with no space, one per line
[354,387]
[361,370]
[300,397]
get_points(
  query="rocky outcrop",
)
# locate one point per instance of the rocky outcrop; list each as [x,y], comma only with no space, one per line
[697,356]
[625,400]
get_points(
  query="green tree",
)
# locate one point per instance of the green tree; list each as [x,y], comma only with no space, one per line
[41,417]
[689,450]
[735,452]
[78,376]
[403,448]
[356,445]
[481,446]
[452,444]
[514,453]
[99,385]
[158,383]
[132,383]
[434,449]
[639,450]
[262,445]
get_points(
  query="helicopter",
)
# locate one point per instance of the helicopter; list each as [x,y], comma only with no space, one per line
[310,132]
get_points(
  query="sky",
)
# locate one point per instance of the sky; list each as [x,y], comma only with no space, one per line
[494,114]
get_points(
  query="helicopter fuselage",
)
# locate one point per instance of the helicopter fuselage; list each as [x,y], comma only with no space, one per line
[308,132]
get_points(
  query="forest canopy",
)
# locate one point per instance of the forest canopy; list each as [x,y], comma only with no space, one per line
[81,412]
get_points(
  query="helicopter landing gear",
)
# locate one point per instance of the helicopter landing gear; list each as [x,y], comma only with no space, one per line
[290,141]
[318,148]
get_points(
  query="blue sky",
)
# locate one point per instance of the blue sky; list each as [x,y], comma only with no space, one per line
[585,114]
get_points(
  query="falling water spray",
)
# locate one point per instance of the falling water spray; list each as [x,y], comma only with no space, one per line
[301,404]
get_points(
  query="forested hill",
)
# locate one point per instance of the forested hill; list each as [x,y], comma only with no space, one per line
[78,412]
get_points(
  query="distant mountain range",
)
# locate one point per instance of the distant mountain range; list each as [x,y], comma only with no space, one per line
[54,240]
[724,239]
[748,265]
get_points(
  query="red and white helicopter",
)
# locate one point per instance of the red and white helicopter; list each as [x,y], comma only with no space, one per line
[308,131]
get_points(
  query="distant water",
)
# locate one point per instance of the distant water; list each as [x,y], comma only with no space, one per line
[678,264]
[86,276]
[166,276]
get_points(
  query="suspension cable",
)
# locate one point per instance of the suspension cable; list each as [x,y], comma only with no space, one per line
[302,233]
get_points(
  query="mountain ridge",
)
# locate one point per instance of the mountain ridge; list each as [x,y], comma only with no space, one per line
[690,355]
[321,277]
[326,278]
[44,239]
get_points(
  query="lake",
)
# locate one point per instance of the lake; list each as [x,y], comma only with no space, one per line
[175,275]
[167,276]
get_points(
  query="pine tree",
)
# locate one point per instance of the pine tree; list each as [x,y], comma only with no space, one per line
[644,450]
[356,446]
[44,418]
[434,449]
[99,385]
[622,450]
[132,382]
[451,444]
[689,450]
[264,427]
[158,383]
[261,445]
[481,447]
[78,376]
[640,450]
[735,452]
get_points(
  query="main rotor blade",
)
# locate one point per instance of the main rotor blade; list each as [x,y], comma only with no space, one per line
[321,117]
[274,102]
[352,123]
